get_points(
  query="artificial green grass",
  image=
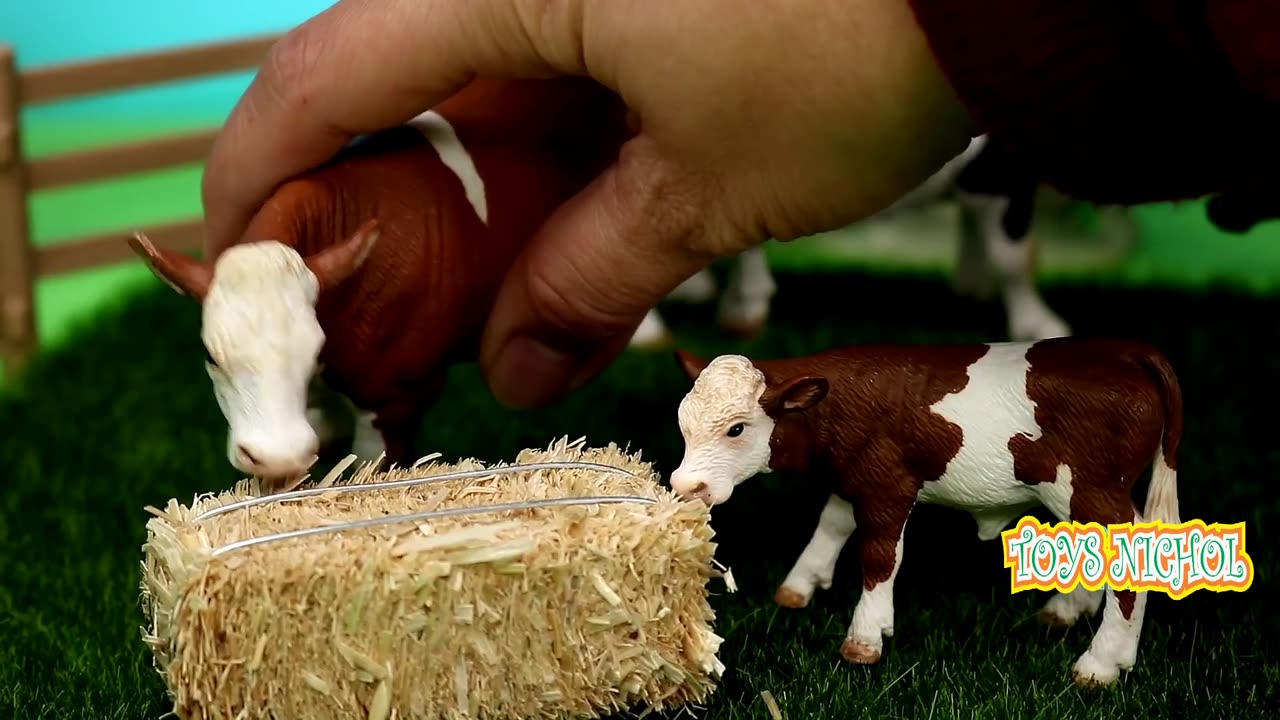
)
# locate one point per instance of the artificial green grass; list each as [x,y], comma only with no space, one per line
[123,417]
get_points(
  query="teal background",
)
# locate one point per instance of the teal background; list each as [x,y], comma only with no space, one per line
[57,31]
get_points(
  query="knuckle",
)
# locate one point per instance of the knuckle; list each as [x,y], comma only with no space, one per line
[690,211]
[665,197]
[288,67]
[553,29]
[579,317]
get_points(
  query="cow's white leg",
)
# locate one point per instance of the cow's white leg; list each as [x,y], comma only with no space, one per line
[1064,609]
[698,288]
[974,276]
[817,564]
[652,332]
[1115,646]
[1029,316]
[1013,258]
[368,443]
[744,306]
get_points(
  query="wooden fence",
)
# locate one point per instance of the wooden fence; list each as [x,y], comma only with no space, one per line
[21,263]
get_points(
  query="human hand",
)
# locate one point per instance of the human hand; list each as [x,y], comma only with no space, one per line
[776,118]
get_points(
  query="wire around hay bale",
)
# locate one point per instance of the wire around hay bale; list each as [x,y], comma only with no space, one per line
[447,598]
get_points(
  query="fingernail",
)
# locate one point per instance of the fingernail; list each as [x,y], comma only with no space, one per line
[529,374]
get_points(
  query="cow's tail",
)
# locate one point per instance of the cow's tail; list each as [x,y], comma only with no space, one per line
[1162,495]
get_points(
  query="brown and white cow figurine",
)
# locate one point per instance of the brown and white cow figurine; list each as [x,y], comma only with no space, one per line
[376,271]
[992,429]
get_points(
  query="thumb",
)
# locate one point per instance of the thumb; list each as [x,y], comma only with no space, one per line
[364,65]
[579,289]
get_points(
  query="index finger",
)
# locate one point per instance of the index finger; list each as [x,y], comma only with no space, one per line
[358,67]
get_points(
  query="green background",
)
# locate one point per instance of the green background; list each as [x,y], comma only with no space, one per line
[1176,245]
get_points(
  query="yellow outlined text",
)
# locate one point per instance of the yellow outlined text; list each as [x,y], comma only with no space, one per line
[1174,559]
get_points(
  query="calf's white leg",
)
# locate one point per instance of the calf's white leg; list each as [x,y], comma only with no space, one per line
[744,307]
[1115,646]
[1064,609]
[882,519]
[817,564]
[873,616]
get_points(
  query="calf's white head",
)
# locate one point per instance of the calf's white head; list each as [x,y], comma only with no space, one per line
[262,340]
[728,420]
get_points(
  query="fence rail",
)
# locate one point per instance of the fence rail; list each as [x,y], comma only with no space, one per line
[21,262]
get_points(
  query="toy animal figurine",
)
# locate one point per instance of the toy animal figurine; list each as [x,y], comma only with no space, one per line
[991,429]
[997,253]
[743,309]
[377,271]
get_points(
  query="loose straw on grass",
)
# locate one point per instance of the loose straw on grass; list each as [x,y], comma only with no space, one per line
[459,610]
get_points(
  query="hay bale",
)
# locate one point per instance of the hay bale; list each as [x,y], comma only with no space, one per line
[556,611]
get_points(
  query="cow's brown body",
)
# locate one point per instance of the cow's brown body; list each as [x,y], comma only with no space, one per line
[994,430]
[420,300]
[1102,406]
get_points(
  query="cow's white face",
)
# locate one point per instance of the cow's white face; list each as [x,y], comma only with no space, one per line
[263,339]
[726,430]
[263,342]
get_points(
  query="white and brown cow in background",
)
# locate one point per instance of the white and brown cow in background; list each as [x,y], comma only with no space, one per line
[995,193]
[990,429]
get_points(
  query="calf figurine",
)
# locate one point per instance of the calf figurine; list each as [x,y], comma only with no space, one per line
[992,429]
[376,271]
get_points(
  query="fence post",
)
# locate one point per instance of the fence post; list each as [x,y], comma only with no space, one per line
[17,257]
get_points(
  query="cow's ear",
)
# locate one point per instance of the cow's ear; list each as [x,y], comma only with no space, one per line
[691,364]
[795,394]
[186,275]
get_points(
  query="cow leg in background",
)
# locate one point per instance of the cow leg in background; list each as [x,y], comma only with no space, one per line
[321,411]
[817,564]
[398,421]
[974,275]
[744,306]
[699,288]
[367,443]
[652,332]
[999,194]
